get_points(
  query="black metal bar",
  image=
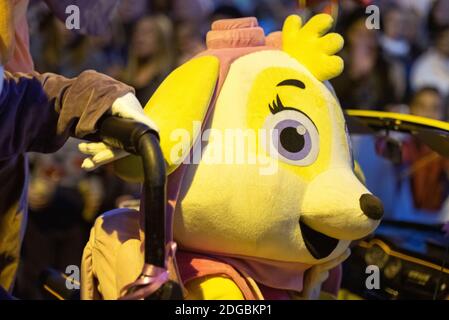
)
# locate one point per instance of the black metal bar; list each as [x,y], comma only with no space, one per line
[141,140]
[154,195]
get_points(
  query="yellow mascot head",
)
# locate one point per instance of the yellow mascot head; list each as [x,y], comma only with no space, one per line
[261,141]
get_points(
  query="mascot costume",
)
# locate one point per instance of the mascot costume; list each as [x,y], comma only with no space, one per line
[275,223]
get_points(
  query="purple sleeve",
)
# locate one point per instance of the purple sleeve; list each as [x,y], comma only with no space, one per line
[38,112]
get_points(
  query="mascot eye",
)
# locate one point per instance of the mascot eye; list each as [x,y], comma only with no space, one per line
[292,136]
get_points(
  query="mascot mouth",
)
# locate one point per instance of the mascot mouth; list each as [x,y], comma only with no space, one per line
[319,245]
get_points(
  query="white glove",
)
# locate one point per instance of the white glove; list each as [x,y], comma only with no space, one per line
[318,274]
[126,107]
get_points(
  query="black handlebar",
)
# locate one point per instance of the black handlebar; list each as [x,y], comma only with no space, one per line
[123,133]
[139,139]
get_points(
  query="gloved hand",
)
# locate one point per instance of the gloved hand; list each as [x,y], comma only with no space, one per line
[126,107]
[318,274]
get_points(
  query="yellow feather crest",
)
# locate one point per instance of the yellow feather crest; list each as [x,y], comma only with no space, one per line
[312,47]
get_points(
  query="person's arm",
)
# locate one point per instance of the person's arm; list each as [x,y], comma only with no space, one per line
[38,112]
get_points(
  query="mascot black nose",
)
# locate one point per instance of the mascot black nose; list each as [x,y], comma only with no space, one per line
[371,206]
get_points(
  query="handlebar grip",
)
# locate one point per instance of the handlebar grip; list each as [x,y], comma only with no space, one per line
[123,133]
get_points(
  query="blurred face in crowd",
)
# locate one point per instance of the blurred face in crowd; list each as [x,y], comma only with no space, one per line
[441,13]
[395,24]
[189,41]
[411,25]
[359,35]
[130,10]
[348,5]
[186,36]
[145,38]
[192,10]
[427,103]
[443,42]
[363,49]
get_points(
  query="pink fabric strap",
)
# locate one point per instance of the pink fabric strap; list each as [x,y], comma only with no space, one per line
[150,280]
[194,265]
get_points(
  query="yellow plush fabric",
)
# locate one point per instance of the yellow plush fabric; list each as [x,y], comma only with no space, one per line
[312,101]
[181,100]
[311,47]
[213,288]
[221,196]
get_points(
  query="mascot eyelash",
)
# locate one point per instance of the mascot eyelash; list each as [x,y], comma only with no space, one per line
[277,106]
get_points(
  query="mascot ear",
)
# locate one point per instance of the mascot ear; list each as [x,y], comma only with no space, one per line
[181,100]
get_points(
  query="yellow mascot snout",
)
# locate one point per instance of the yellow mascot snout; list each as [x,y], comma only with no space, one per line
[338,205]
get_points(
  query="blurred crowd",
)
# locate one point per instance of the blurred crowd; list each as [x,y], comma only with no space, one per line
[403,67]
